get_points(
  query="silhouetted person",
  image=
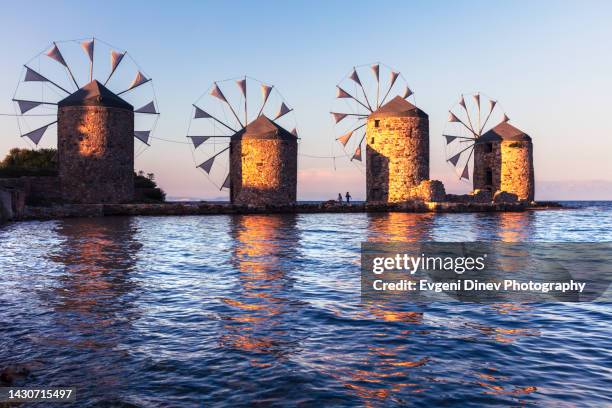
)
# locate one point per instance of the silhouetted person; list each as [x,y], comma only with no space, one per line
[340,198]
[348,198]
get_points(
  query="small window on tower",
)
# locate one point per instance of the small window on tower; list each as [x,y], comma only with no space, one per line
[489,148]
[376,123]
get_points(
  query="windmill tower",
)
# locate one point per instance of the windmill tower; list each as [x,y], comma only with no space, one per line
[258,158]
[396,133]
[500,156]
[95,126]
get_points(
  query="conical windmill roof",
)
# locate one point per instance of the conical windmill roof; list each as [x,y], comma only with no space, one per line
[398,106]
[504,131]
[95,94]
[264,128]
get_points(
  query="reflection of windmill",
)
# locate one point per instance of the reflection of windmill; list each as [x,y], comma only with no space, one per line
[95,126]
[466,124]
[242,142]
[395,130]
[63,72]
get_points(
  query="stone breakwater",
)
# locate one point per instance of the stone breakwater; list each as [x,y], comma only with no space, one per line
[210,208]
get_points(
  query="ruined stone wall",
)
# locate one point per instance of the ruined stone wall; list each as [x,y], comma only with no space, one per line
[484,160]
[96,154]
[263,171]
[397,157]
[517,175]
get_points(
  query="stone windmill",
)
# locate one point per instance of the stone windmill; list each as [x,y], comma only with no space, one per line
[242,143]
[382,112]
[95,125]
[482,143]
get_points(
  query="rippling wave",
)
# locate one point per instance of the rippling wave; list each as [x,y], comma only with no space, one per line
[266,310]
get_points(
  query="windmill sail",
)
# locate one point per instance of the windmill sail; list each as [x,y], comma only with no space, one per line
[338,116]
[55,54]
[283,110]
[198,140]
[148,108]
[242,85]
[465,174]
[216,92]
[199,113]
[139,80]
[355,77]
[376,71]
[37,134]
[207,165]
[25,106]
[33,76]
[357,155]
[345,138]
[226,183]
[407,93]
[88,47]
[142,135]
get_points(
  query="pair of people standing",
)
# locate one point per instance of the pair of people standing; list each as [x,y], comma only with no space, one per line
[348,198]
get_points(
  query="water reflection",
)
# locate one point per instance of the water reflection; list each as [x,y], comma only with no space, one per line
[259,312]
[93,299]
[399,227]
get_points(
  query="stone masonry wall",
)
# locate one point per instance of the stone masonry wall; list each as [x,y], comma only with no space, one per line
[96,154]
[517,175]
[263,171]
[484,161]
[397,155]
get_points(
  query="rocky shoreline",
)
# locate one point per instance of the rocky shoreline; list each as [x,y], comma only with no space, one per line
[216,208]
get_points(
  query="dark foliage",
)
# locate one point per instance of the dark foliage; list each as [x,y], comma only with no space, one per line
[26,162]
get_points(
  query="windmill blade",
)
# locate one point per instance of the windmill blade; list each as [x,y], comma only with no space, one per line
[116,58]
[88,47]
[477,99]
[341,93]
[357,155]
[283,110]
[450,138]
[294,132]
[217,93]
[345,137]
[393,78]
[54,53]
[338,116]
[140,79]
[467,113]
[199,114]
[37,134]
[465,174]
[376,70]
[143,136]
[407,93]
[462,103]
[505,118]
[355,77]
[207,165]
[491,107]
[25,106]
[265,93]
[148,108]
[198,140]
[455,159]
[33,76]
[242,86]
[453,118]
[226,183]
